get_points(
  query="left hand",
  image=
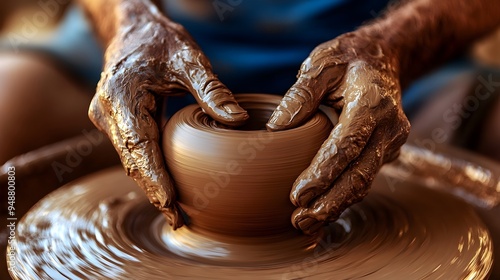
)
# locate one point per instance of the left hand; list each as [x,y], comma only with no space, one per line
[358,75]
[150,57]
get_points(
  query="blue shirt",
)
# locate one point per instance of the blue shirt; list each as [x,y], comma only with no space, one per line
[258,45]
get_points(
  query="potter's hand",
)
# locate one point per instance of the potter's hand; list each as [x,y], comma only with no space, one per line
[358,75]
[148,57]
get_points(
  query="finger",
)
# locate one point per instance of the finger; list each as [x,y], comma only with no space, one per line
[351,187]
[174,216]
[317,77]
[195,72]
[345,143]
[132,130]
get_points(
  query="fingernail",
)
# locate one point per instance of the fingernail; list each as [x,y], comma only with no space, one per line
[315,228]
[233,109]
[306,223]
[305,198]
[309,225]
[301,193]
[278,121]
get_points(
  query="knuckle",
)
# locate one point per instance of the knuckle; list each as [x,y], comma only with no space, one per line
[94,108]
[300,94]
[361,179]
[328,47]
[392,154]
[405,126]
[321,50]
[140,146]
[399,125]
[189,55]
[214,90]
[396,138]
[177,27]
[329,211]
[360,191]
[403,131]
[95,111]
[353,143]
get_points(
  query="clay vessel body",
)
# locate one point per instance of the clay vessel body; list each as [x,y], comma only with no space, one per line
[237,181]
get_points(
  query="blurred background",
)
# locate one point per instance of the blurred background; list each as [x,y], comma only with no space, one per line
[13,15]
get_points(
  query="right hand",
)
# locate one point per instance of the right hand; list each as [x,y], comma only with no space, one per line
[150,57]
[357,74]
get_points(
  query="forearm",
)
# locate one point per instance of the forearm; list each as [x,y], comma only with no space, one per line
[423,33]
[108,16]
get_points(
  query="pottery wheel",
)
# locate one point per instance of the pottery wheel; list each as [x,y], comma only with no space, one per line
[102,227]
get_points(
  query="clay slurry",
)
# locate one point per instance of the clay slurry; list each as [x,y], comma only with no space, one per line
[106,229]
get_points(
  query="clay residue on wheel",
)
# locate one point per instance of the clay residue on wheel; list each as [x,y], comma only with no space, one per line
[106,229]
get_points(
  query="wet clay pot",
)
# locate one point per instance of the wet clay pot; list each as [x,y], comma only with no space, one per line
[237,181]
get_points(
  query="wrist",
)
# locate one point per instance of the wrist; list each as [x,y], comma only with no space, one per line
[401,46]
[372,43]
[114,16]
[134,13]
[422,34]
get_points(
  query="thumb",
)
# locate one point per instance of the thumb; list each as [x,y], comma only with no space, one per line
[302,100]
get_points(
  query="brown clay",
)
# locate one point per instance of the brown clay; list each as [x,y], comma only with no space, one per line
[238,181]
[106,229]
